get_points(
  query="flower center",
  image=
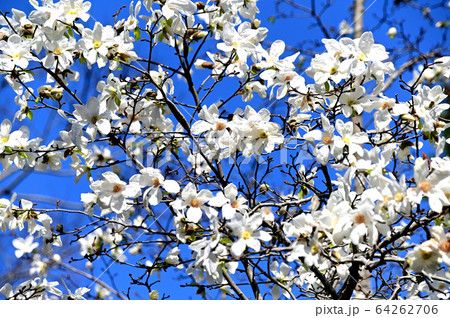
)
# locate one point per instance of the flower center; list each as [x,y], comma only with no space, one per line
[220,126]
[263,134]
[346,140]
[94,119]
[195,203]
[386,105]
[445,246]
[156,182]
[315,249]
[16,56]
[97,44]
[359,218]
[266,211]
[235,204]
[333,71]
[327,140]
[425,254]
[351,102]
[246,235]
[57,51]
[287,78]
[4,139]
[117,188]
[425,186]
[362,57]
[398,197]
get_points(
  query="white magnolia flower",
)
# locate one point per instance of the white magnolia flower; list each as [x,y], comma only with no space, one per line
[95,115]
[352,141]
[245,228]
[229,201]
[94,44]
[173,259]
[15,51]
[430,185]
[283,275]
[24,245]
[424,257]
[195,202]
[152,178]
[175,7]
[113,193]
[443,241]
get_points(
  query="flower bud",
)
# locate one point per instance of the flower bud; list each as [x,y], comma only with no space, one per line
[256,23]
[200,5]
[408,117]
[392,32]
[153,295]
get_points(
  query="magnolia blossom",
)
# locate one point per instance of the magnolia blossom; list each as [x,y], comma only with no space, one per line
[112,193]
[24,245]
[351,141]
[244,40]
[245,228]
[429,185]
[152,178]
[195,202]
[443,241]
[284,276]
[216,128]
[95,43]
[229,201]
[95,115]
[424,257]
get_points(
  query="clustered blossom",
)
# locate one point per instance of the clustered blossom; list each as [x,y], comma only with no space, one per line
[350,199]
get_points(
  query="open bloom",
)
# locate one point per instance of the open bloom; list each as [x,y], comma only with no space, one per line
[195,202]
[113,193]
[152,178]
[24,245]
[230,202]
[429,185]
[424,257]
[245,228]
[95,115]
[443,241]
[352,141]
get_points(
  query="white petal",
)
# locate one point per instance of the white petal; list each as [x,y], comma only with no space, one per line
[238,247]
[171,186]
[194,214]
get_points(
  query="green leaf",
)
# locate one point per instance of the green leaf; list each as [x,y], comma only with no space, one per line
[225,241]
[28,72]
[301,193]
[30,114]
[137,34]
[37,100]
[8,150]
[70,32]
[161,37]
[327,86]
[23,155]
[117,100]
[420,124]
